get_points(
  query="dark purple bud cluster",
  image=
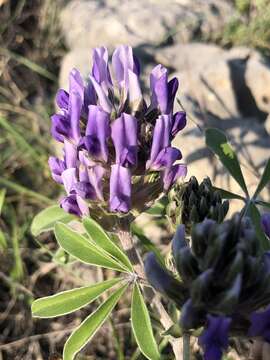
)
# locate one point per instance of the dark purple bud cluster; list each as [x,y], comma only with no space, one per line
[114,144]
[225,281]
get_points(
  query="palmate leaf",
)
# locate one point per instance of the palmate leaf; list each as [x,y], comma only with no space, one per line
[264,179]
[83,334]
[141,325]
[225,194]
[68,301]
[81,248]
[46,219]
[102,239]
[217,141]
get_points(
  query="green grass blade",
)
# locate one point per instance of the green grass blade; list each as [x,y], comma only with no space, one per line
[81,336]
[24,191]
[102,239]
[68,301]
[2,198]
[22,143]
[141,325]
[83,249]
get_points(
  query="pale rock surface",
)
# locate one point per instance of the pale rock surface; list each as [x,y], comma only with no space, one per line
[258,80]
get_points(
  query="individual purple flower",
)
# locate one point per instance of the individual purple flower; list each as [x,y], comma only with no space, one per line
[62,98]
[100,70]
[124,136]
[178,123]
[57,167]
[97,133]
[171,175]
[95,175]
[162,92]
[215,337]
[265,223]
[260,324]
[120,189]
[126,71]
[67,123]
[162,154]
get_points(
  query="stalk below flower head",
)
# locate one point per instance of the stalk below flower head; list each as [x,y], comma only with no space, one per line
[117,151]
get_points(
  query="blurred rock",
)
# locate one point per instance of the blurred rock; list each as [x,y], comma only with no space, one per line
[213,78]
[248,138]
[89,24]
[258,80]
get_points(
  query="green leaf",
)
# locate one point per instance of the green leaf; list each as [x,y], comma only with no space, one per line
[159,207]
[46,219]
[68,301]
[217,141]
[175,331]
[3,242]
[225,194]
[83,249]
[79,338]
[2,198]
[256,219]
[264,179]
[141,325]
[263,203]
[101,238]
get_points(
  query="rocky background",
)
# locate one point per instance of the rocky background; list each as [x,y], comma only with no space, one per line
[226,88]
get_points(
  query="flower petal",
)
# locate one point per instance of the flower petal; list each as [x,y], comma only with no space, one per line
[120,189]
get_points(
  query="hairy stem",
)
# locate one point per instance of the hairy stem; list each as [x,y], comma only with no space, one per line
[130,248]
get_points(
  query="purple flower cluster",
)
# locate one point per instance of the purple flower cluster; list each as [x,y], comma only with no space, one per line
[111,139]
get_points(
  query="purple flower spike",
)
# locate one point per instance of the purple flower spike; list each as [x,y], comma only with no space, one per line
[215,338]
[260,324]
[265,223]
[120,189]
[171,175]
[57,167]
[97,133]
[124,135]
[62,98]
[100,70]
[179,122]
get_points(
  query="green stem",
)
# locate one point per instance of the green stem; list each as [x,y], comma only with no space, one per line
[186,346]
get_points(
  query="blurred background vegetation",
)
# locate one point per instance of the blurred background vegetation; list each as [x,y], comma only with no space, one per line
[31,49]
